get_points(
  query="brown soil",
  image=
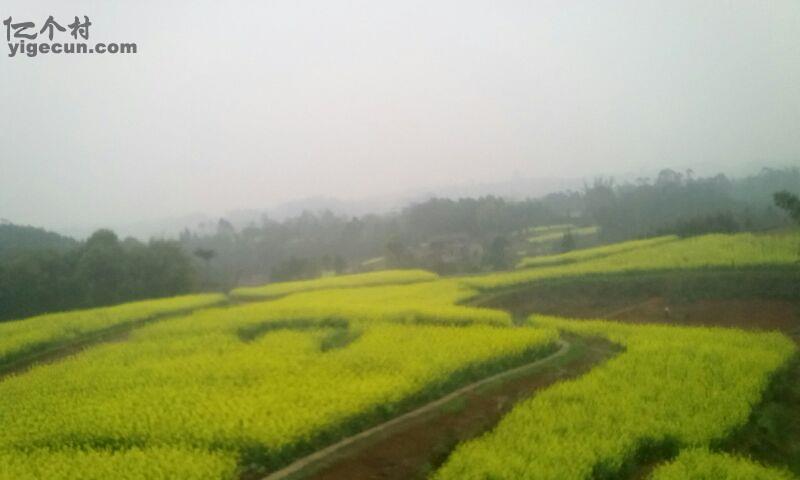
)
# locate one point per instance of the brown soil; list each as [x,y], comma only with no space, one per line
[762,314]
[414,448]
[748,314]
[771,436]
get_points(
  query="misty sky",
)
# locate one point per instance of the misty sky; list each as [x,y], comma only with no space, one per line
[244,104]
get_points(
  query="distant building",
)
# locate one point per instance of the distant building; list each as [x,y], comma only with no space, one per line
[453,252]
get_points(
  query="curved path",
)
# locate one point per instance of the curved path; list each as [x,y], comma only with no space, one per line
[319,457]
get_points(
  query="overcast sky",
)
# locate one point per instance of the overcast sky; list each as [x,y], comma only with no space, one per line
[240,104]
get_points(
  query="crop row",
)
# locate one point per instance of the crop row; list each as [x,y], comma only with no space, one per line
[386,277]
[156,463]
[591,253]
[21,338]
[700,463]
[716,250]
[428,302]
[556,234]
[257,383]
[673,387]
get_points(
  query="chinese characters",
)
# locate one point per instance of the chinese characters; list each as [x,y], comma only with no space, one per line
[28,31]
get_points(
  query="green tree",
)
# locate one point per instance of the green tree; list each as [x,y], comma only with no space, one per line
[159,269]
[397,255]
[567,242]
[101,268]
[497,254]
[789,202]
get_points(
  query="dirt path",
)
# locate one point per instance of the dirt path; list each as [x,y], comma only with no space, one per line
[414,446]
[411,445]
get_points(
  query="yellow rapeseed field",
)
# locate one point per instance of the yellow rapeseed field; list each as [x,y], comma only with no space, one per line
[250,387]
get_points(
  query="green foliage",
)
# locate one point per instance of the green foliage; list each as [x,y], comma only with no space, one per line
[673,387]
[790,203]
[672,202]
[702,225]
[101,268]
[101,271]
[294,269]
[497,255]
[567,243]
[646,207]
[258,251]
[701,464]
[15,239]
[157,269]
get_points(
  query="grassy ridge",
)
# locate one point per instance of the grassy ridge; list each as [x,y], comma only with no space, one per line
[590,253]
[386,277]
[732,251]
[429,302]
[673,387]
[22,338]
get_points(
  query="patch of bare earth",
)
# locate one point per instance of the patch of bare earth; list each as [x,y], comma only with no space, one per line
[772,435]
[413,449]
[752,313]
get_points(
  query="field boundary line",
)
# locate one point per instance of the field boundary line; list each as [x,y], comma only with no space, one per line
[239,299]
[60,351]
[629,308]
[319,455]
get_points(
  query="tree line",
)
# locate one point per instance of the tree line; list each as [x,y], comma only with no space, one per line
[495,228]
[66,274]
[679,203]
[41,271]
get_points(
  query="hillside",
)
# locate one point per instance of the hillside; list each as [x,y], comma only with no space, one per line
[254,386]
[19,238]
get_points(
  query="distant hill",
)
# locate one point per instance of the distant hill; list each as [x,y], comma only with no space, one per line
[517,188]
[17,238]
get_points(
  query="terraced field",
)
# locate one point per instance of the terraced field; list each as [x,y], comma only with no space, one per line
[23,339]
[666,253]
[702,463]
[554,233]
[387,277]
[672,388]
[241,390]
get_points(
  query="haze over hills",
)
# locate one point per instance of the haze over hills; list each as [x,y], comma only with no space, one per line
[444,235]
[517,187]
[170,227]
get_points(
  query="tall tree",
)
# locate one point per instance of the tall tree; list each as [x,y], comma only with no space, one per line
[790,203]
[101,268]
